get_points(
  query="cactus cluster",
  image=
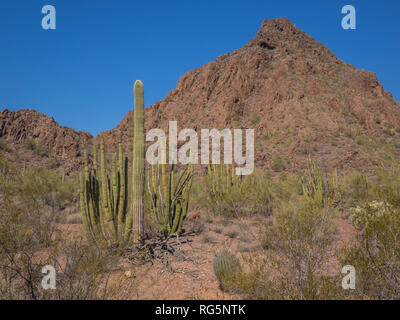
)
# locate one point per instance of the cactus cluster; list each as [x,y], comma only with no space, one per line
[112,202]
[169,194]
[106,215]
[317,189]
[226,266]
[103,198]
[221,179]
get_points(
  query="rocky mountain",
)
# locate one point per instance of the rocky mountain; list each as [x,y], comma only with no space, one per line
[291,89]
[295,93]
[34,139]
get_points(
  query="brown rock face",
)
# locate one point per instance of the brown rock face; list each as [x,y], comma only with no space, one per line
[38,140]
[292,90]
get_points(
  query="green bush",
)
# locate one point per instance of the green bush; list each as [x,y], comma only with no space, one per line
[355,188]
[30,239]
[375,253]
[294,264]
[277,164]
[42,187]
[4,145]
[248,195]
[29,144]
[386,186]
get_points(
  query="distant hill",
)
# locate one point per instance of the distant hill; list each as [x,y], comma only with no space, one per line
[34,139]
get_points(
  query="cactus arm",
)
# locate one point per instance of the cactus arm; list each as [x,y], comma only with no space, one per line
[89,197]
[105,187]
[84,214]
[114,189]
[122,192]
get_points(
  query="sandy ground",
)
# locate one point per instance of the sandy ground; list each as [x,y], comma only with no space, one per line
[190,274]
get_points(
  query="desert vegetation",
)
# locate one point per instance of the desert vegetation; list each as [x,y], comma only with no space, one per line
[298,246]
[271,235]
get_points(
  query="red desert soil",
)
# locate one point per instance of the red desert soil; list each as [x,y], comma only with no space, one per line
[193,277]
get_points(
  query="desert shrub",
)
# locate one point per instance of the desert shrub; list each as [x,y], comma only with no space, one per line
[197,226]
[199,192]
[247,195]
[40,150]
[245,247]
[30,240]
[356,189]
[23,242]
[232,232]
[74,219]
[286,187]
[208,237]
[83,272]
[218,229]
[386,186]
[299,244]
[231,202]
[40,187]
[375,253]
[226,268]
[260,198]
[277,163]
[297,248]
[4,145]
[29,144]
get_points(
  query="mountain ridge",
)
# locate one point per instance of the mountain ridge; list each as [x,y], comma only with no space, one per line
[293,91]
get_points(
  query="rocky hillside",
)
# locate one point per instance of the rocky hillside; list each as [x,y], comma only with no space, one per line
[291,89]
[33,139]
[295,93]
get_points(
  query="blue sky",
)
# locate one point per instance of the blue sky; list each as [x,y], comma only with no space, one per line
[82,73]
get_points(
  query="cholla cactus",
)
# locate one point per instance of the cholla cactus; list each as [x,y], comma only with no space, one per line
[363,216]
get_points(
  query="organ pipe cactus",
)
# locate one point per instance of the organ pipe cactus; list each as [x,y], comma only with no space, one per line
[169,194]
[317,189]
[221,179]
[106,215]
[104,198]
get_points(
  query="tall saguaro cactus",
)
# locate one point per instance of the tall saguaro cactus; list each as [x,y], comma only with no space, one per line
[138,176]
